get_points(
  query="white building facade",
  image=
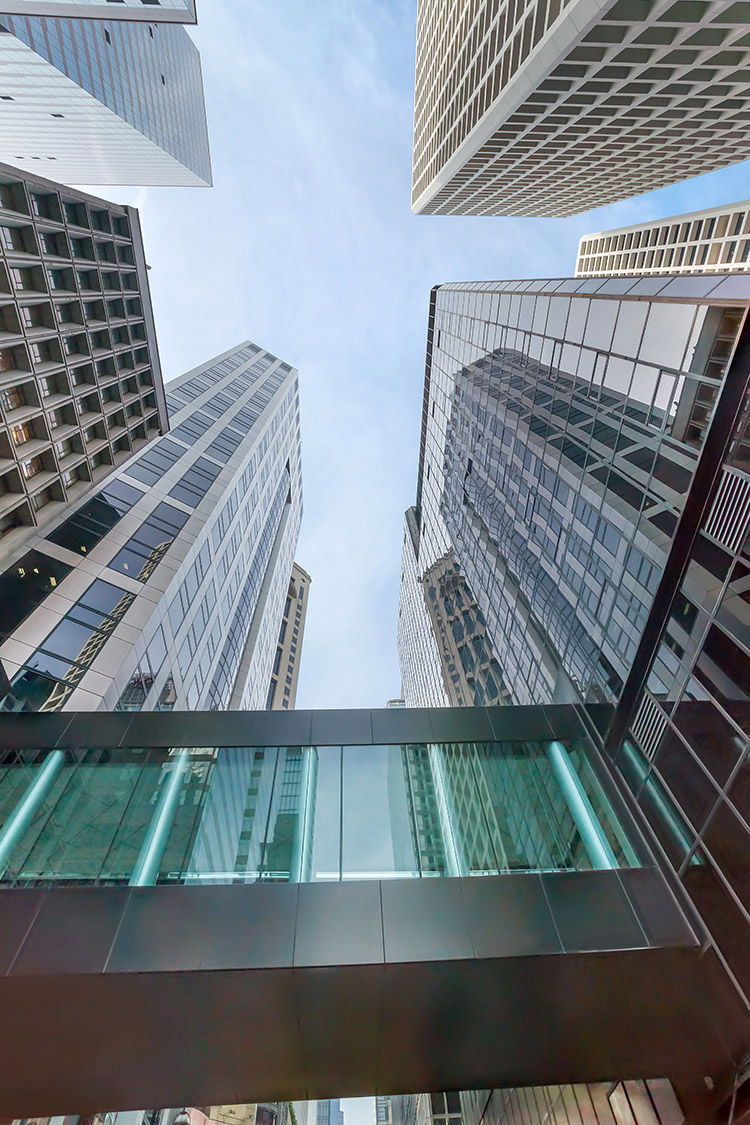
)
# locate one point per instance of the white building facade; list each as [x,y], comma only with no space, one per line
[716,240]
[169,583]
[103,101]
[558,106]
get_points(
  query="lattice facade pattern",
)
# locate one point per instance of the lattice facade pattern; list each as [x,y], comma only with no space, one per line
[80,382]
[712,241]
[510,121]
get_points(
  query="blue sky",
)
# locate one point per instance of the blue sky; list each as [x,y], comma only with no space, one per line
[307,245]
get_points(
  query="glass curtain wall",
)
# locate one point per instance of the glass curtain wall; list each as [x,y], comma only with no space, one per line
[299,814]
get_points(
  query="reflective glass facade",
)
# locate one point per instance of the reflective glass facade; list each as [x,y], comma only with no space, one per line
[194,540]
[584,465]
[164,11]
[107,101]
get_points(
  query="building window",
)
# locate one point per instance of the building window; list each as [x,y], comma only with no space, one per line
[196,482]
[21,433]
[31,467]
[144,551]
[96,517]
[25,585]
[62,659]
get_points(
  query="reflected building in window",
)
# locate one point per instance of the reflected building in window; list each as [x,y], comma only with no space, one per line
[329,1112]
[584,467]
[103,101]
[552,109]
[166,587]
[716,240]
[81,387]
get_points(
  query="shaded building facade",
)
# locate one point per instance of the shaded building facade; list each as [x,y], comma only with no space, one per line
[103,101]
[584,459]
[81,387]
[282,690]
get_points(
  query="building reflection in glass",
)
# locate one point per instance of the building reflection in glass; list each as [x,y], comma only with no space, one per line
[300,814]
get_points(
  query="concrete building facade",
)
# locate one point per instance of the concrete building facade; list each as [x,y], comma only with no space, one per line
[716,240]
[103,101]
[282,690]
[80,381]
[557,107]
[168,584]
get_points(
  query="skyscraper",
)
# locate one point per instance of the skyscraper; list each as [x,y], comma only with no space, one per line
[556,108]
[80,383]
[169,583]
[282,690]
[164,11]
[108,101]
[583,465]
[329,1112]
[716,240]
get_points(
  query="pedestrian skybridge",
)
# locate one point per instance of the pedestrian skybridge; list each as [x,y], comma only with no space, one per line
[227,907]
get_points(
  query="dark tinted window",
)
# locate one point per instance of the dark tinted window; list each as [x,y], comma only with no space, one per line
[196,482]
[192,428]
[96,517]
[153,464]
[25,585]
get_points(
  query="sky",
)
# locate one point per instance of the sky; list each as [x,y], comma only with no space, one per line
[307,245]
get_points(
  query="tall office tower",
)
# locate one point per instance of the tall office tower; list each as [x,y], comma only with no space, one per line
[169,583]
[426,1109]
[163,11]
[383,1110]
[713,241]
[329,1112]
[560,107]
[584,463]
[282,690]
[80,383]
[109,101]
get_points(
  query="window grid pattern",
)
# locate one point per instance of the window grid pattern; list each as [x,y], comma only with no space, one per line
[80,383]
[148,76]
[188,601]
[715,241]
[666,80]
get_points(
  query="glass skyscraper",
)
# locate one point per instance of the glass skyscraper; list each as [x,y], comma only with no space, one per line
[163,11]
[103,101]
[583,472]
[170,581]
